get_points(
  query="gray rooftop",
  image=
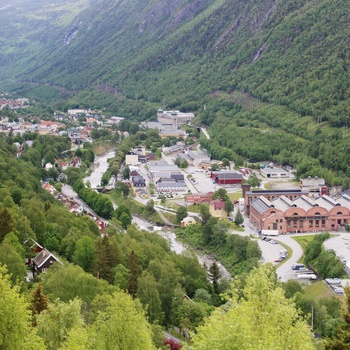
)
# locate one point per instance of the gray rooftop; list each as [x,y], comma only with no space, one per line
[261,204]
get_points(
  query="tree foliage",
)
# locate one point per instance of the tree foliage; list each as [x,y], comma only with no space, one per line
[16,330]
[262,318]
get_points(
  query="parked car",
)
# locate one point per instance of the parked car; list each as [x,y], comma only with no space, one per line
[297,266]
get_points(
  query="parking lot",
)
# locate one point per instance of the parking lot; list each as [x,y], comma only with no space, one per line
[341,245]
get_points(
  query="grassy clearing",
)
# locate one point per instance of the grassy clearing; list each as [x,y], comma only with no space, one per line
[102,148]
[135,207]
[235,196]
[319,290]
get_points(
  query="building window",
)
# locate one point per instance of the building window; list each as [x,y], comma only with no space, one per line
[311,223]
[317,223]
[274,226]
[294,223]
[323,223]
[301,223]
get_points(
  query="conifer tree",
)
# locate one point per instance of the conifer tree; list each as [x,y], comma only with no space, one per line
[214,276]
[238,218]
[134,273]
[39,302]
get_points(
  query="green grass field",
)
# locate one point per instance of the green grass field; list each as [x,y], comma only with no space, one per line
[320,290]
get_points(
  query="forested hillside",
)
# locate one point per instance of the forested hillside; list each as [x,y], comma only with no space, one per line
[275,72]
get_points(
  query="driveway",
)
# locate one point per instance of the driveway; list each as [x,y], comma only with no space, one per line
[285,272]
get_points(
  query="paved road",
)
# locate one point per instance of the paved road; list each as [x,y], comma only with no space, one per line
[285,272]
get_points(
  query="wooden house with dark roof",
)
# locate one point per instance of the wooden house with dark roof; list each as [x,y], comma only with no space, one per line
[43,261]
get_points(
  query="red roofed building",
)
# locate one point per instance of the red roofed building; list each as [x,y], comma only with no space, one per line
[198,198]
[226,177]
[216,208]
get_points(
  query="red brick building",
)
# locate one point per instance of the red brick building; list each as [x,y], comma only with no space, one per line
[199,198]
[302,214]
[250,196]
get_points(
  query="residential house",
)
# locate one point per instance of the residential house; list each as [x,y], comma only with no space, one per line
[43,261]
[134,173]
[138,181]
[217,209]
[48,187]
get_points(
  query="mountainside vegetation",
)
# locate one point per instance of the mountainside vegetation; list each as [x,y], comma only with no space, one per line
[276,73]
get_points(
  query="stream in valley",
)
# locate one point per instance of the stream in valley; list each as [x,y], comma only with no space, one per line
[100,166]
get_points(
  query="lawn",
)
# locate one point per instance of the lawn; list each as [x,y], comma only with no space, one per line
[318,290]
[235,196]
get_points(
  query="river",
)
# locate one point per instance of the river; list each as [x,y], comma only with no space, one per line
[99,167]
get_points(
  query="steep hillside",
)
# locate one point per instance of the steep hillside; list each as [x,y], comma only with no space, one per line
[276,66]
[27,27]
[293,53]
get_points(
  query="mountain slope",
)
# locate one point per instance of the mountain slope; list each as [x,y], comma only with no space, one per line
[290,52]
[280,66]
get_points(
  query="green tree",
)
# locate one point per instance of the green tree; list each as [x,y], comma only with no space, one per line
[221,193]
[16,331]
[207,231]
[107,257]
[77,339]
[120,187]
[148,294]
[39,302]
[85,253]
[126,172]
[214,276]
[184,164]
[55,323]
[6,223]
[225,162]
[262,319]
[291,287]
[70,281]
[150,206]
[134,273]
[254,181]
[121,325]
[14,262]
[214,167]
[181,213]
[204,210]
[238,218]
[125,220]
[228,207]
